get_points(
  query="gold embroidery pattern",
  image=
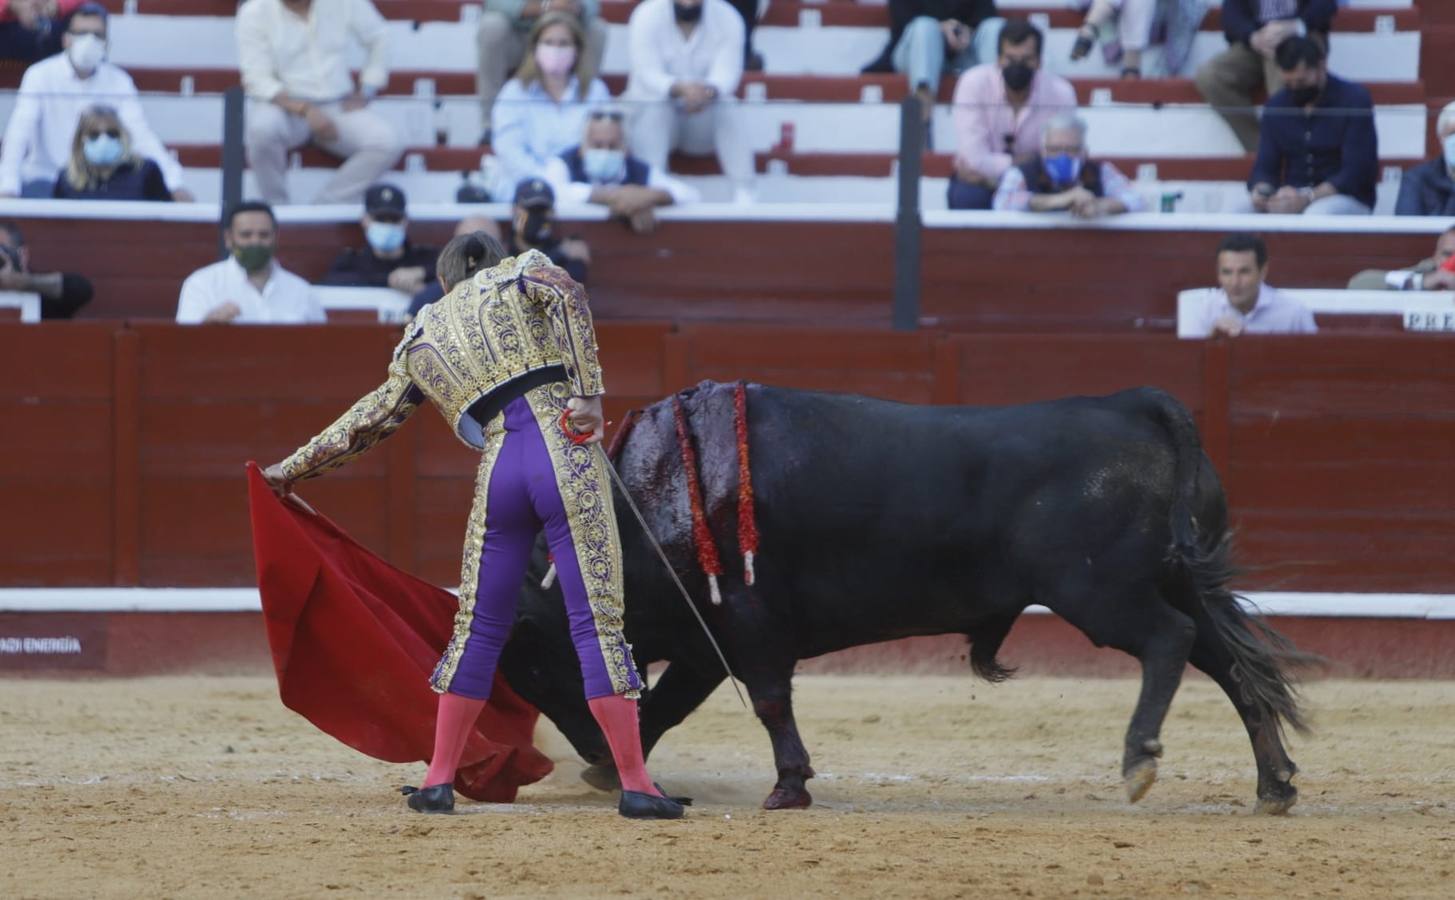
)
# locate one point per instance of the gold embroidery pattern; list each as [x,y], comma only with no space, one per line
[521,316]
[585,490]
[444,672]
[374,417]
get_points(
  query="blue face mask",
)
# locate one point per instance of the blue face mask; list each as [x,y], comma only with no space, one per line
[1063,168]
[384,237]
[1449,143]
[102,150]
[603,165]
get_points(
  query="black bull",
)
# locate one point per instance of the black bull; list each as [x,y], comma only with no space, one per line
[880,520]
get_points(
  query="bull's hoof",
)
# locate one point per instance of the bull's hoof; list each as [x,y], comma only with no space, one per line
[601,776]
[786,798]
[1139,778]
[1277,804]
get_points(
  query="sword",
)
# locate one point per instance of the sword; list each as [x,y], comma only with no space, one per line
[578,437]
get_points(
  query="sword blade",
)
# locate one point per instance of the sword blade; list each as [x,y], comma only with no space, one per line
[662,555]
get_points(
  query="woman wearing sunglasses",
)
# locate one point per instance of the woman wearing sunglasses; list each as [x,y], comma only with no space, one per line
[102,165]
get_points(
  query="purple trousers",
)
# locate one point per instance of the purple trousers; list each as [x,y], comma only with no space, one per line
[527,465]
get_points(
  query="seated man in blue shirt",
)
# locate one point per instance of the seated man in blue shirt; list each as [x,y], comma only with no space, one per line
[1317,151]
[1429,188]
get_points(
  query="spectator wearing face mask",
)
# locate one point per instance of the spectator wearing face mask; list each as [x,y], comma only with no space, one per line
[1317,150]
[249,287]
[1062,178]
[602,170]
[1429,188]
[686,62]
[54,93]
[540,112]
[103,165]
[32,29]
[533,226]
[61,293]
[1000,113]
[503,40]
[388,259]
[1434,274]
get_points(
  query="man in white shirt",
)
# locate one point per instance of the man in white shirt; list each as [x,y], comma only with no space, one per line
[248,287]
[53,94]
[1245,303]
[602,170]
[686,62]
[294,60]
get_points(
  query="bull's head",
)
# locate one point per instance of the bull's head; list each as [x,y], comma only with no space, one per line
[540,663]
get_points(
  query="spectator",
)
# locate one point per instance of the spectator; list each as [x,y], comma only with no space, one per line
[1061,177]
[53,94]
[1001,109]
[103,166]
[1317,151]
[1134,30]
[1429,188]
[1426,275]
[533,226]
[686,62]
[388,259]
[1254,29]
[249,287]
[542,109]
[61,293]
[441,284]
[294,57]
[1244,301]
[32,29]
[928,38]
[601,170]
[506,29]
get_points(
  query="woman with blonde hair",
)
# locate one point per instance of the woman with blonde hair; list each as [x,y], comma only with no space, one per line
[541,111]
[102,165]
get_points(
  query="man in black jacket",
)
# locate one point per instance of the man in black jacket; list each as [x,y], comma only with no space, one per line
[61,293]
[1254,29]
[929,38]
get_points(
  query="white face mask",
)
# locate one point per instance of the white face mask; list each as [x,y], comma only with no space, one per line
[1449,143]
[603,165]
[86,52]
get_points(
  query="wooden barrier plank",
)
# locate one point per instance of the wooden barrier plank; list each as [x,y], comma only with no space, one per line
[57,454]
[1344,551]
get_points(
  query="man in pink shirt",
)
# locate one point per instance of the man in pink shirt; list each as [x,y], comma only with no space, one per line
[1000,111]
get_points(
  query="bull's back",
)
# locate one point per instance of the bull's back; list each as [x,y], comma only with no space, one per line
[895,520]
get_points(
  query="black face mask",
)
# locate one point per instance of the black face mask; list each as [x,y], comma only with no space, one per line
[1305,95]
[1017,76]
[539,226]
[687,14]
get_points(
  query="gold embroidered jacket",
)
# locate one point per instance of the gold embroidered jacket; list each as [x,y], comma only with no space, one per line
[518,317]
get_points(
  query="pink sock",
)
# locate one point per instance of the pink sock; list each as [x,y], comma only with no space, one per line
[617,717]
[451,728]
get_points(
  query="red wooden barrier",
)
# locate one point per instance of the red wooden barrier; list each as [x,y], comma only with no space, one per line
[123,450]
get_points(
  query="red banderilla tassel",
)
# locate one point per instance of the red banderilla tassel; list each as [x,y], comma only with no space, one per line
[701,535]
[747,519]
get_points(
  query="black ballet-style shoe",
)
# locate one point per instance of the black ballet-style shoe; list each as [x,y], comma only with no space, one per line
[636,805]
[685,801]
[437,799]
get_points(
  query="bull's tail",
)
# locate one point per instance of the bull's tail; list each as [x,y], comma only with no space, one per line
[985,641]
[1264,661]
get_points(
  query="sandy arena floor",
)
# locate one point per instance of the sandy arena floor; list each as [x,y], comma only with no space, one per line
[927,787]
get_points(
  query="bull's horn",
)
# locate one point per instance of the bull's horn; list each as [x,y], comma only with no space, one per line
[712,589]
[749,576]
[550,578]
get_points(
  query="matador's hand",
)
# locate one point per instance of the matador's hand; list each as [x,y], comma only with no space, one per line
[584,415]
[277,480]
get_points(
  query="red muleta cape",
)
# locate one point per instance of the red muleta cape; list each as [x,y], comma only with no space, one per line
[354,641]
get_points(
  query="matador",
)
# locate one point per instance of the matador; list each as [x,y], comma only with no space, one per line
[509,357]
